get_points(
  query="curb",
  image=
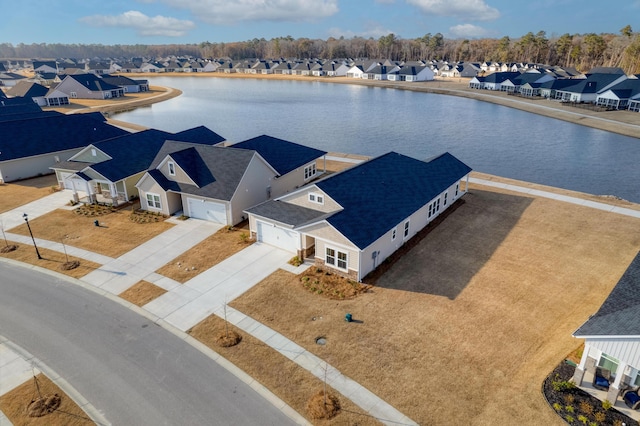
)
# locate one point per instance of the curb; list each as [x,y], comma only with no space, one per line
[213,355]
[94,414]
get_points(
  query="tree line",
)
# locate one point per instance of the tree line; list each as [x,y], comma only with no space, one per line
[581,51]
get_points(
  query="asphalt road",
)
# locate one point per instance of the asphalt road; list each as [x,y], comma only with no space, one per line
[133,371]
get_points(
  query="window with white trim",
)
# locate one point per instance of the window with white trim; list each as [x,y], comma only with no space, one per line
[457,188]
[609,363]
[393,234]
[337,258]
[406,229]
[153,201]
[316,198]
[172,168]
[444,203]
[310,171]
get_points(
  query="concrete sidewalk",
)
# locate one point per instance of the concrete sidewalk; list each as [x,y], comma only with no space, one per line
[558,197]
[141,263]
[42,206]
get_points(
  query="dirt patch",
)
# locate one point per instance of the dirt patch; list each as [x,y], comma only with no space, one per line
[16,194]
[211,251]
[115,235]
[51,260]
[227,338]
[473,318]
[333,286]
[290,382]
[323,405]
[69,265]
[142,293]
[8,248]
[40,402]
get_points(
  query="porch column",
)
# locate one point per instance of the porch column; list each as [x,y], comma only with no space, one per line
[618,384]
[578,374]
[114,193]
[90,194]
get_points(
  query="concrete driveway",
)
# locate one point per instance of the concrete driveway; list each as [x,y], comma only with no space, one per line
[186,305]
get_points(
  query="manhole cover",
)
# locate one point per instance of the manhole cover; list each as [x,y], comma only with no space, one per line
[321,341]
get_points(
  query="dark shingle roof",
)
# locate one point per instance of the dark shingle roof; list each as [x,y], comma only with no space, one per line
[92,82]
[290,214]
[53,133]
[133,153]
[28,89]
[218,169]
[619,314]
[283,156]
[200,134]
[378,194]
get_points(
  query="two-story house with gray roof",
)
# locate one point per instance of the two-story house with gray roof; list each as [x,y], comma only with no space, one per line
[219,183]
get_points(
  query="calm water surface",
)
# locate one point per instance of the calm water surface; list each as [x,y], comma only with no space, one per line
[371,121]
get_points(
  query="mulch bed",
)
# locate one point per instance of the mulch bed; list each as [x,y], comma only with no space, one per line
[331,285]
[574,405]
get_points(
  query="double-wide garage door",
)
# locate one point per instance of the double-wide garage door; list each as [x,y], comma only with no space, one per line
[207,210]
[284,238]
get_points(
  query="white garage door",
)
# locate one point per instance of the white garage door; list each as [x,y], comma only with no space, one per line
[279,237]
[207,210]
[68,183]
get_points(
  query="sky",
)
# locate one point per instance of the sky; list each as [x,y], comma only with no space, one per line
[112,22]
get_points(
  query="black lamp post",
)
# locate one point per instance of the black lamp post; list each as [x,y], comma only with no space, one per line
[26,219]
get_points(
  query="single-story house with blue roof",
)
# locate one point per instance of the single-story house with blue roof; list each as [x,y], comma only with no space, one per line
[31,143]
[108,171]
[612,337]
[218,183]
[353,220]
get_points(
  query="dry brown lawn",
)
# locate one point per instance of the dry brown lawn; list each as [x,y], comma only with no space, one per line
[290,382]
[51,260]
[15,405]
[213,250]
[142,293]
[464,328]
[15,194]
[116,235]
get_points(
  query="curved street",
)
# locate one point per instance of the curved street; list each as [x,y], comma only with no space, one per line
[131,370]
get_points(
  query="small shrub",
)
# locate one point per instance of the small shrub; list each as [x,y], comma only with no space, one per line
[295,261]
[583,419]
[244,237]
[600,417]
[569,408]
[569,399]
[230,228]
[593,424]
[606,404]
[569,419]
[562,385]
[617,422]
[557,407]
[318,270]
[586,408]
[305,279]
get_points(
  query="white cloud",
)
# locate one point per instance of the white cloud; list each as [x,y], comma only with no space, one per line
[474,10]
[231,12]
[469,31]
[143,24]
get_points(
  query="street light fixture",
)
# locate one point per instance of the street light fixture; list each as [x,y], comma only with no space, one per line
[26,219]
